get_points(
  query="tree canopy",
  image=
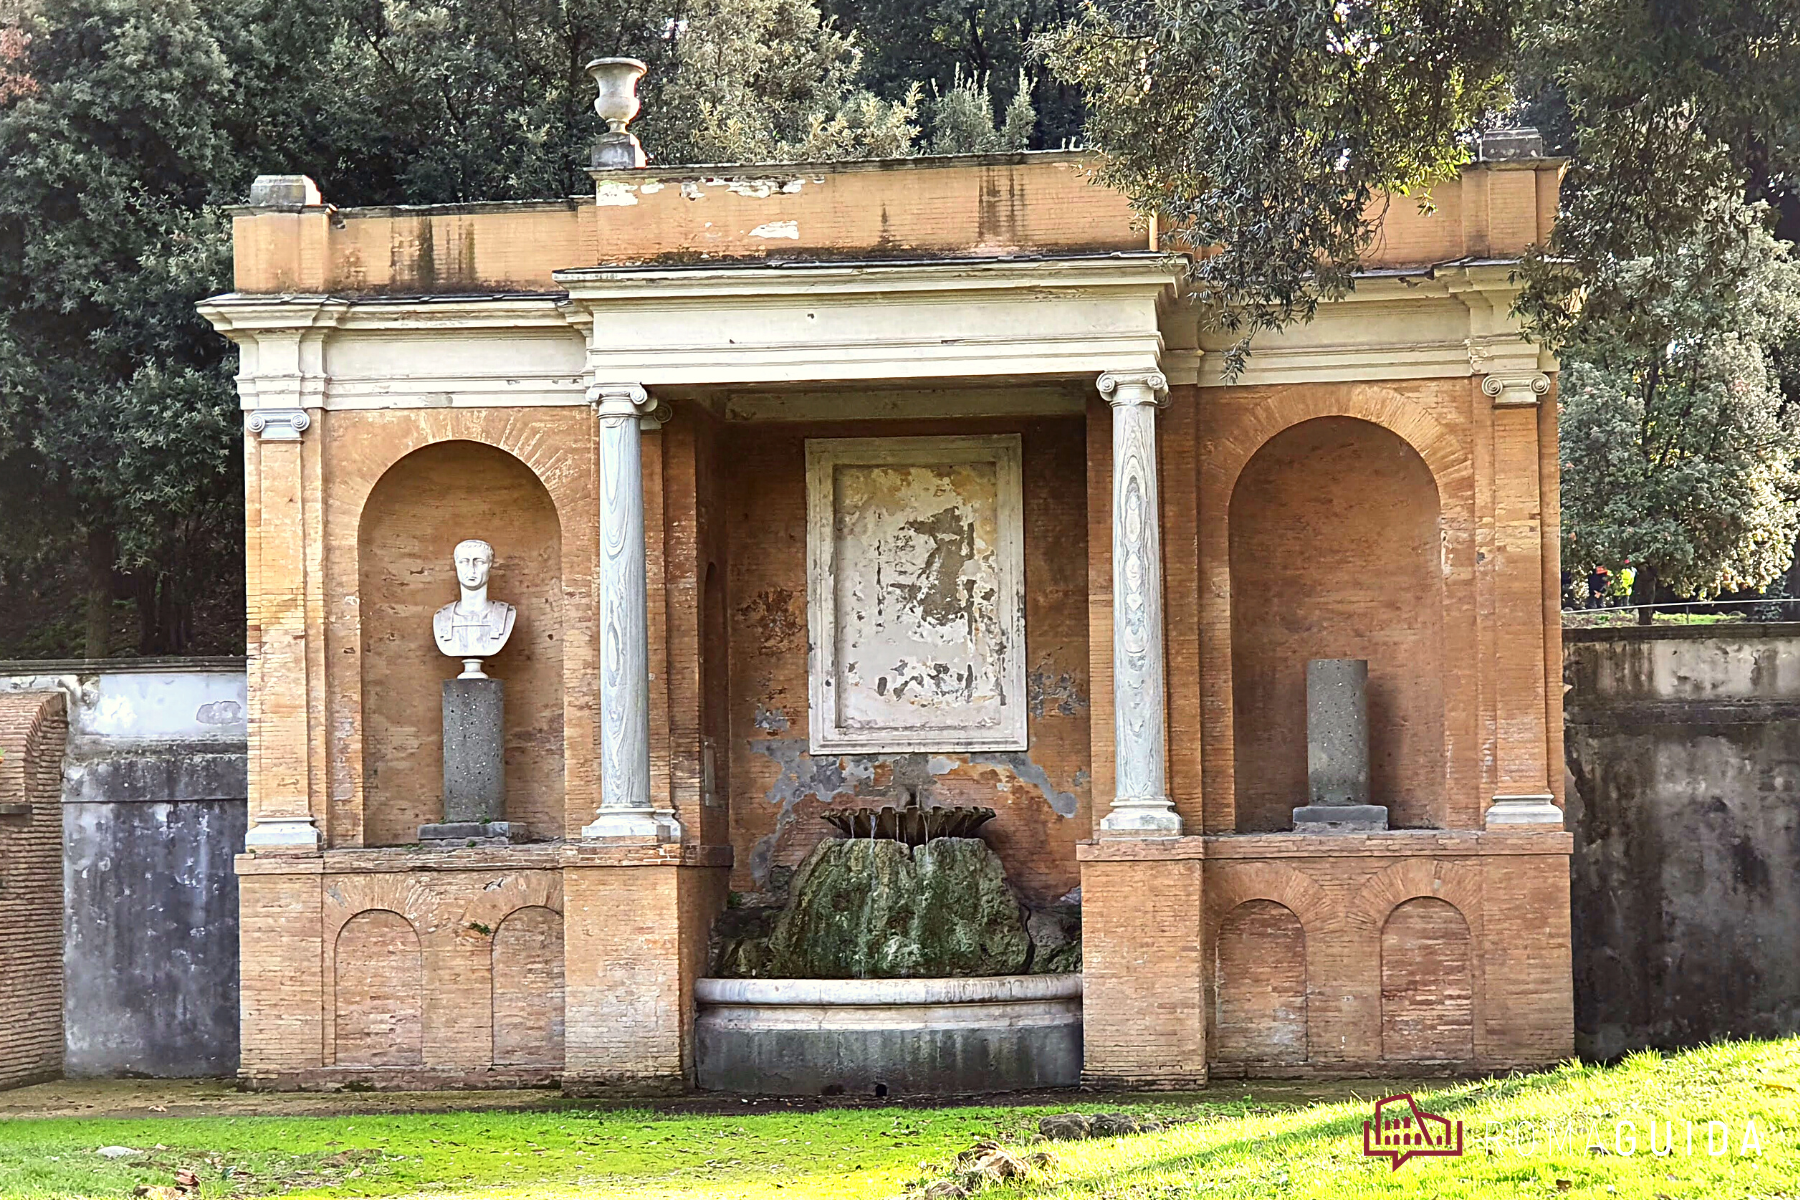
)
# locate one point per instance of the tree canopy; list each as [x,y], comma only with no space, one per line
[1265,131]
[126,126]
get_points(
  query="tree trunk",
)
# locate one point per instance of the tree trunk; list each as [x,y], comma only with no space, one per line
[100,553]
[1643,593]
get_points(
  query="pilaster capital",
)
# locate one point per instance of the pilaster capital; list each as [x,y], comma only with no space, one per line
[278,424]
[1521,390]
[1125,388]
[628,400]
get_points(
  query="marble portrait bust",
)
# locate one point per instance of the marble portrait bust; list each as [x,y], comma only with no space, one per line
[474,627]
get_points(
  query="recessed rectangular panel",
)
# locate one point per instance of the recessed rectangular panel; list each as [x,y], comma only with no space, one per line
[914,587]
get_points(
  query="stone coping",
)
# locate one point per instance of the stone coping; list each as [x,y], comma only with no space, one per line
[1723,630]
[987,989]
[1395,843]
[456,856]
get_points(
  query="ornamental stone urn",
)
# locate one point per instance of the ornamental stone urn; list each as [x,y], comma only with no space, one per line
[617,103]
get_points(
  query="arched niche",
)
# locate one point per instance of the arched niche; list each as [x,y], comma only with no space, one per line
[378,981]
[419,509]
[528,988]
[1259,985]
[1337,552]
[1427,984]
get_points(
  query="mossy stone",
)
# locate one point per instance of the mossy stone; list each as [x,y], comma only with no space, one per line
[874,909]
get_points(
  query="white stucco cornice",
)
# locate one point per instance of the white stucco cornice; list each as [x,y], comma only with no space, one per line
[825,322]
[1454,320]
[280,343]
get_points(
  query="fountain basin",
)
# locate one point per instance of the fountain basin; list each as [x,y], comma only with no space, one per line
[888,1037]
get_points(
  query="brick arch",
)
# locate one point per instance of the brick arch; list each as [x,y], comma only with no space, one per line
[378,986]
[1457,884]
[558,446]
[1258,985]
[1445,456]
[419,508]
[527,975]
[1229,885]
[556,460]
[1429,416]
[1427,983]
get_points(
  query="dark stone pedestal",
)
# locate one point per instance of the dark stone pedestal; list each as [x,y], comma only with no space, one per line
[474,763]
[1337,750]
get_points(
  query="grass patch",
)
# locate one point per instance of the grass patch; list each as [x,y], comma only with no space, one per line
[1235,1146]
[1523,1136]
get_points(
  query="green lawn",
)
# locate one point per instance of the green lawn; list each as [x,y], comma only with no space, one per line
[1233,1146]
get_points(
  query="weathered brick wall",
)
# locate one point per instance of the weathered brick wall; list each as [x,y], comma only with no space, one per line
[973,205]
[1336,552]
[403,968]
[33,728]
[778,788]
[636,933]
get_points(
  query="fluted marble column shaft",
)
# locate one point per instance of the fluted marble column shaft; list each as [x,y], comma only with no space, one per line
[1140,805]
[625,808]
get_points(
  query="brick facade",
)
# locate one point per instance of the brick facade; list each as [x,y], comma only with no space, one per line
[1367,499]
[33,728]
[1380,954]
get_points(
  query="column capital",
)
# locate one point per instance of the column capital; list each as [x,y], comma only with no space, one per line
[1523,390]
[278,424]
[629,400]
[1120,388]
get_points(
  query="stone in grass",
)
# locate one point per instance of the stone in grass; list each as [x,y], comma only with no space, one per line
[1120,1125]
[1063,1127]
[988,1162]
[943,1189]
[1112,1125]
[873,909]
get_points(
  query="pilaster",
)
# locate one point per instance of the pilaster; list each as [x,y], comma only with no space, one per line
[282,382]
[1522,794]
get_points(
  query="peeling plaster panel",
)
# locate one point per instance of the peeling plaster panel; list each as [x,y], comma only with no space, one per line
[915,570]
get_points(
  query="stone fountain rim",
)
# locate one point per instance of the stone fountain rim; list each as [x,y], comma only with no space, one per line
[969,989]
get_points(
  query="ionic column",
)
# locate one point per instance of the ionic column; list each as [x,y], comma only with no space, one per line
[625,809]
[1141,805]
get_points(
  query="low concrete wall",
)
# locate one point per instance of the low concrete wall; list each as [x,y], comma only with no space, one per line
[153,811]
[1683,754]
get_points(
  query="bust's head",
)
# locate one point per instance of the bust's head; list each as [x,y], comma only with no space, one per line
[474,558]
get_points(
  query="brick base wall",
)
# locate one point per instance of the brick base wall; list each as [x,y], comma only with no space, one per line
[410,969]
[33,728]
[1348,955]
